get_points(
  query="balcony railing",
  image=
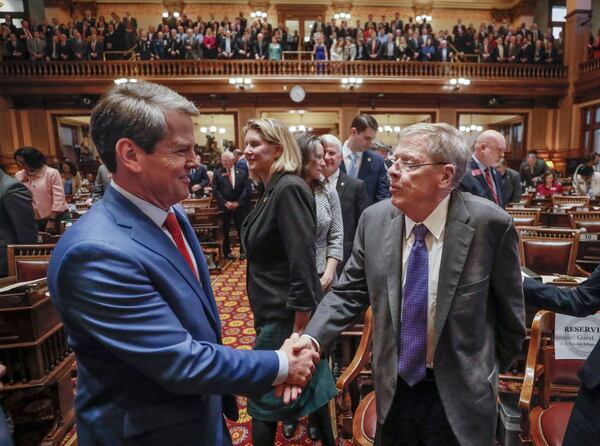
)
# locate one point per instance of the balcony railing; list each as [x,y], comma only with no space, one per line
[319,69]
[590,66]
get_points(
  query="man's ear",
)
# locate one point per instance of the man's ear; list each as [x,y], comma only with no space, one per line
[448,172]
[129,155]
[353,131]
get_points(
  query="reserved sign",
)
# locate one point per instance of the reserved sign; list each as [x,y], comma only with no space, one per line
[575,337]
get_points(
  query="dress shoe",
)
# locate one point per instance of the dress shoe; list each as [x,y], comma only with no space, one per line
[313,432]
[230,256]
[288,429]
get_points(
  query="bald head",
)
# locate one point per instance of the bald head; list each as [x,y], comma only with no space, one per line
[489,148]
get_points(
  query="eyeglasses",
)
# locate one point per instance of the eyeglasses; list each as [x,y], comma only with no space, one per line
[407,166]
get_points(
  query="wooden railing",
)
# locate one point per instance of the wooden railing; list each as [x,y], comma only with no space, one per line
[589,66]
[286,68]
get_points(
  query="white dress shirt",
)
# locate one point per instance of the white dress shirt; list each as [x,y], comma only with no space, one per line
[346,152]
[158,217]
[435,223]
[331,181]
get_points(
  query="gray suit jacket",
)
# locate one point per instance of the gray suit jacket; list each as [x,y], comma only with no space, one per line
[17,221]
[511,185]
[479,320]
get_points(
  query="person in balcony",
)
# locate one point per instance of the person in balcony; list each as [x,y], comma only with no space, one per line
[539,54]
[373,47]
[320,49]
[64,49]
[242,47]
[486,51]
[390,49]
[109,37]
[14,48]
[36,47]
[500,52]
[275,48]
[549,186]
[526,53]
[191,48]
[209,45]
[159,47]
[226,46]
[595,46]
[174,46]
[427,53]
[52,49]
[443,53]
[551,53]
[336,52]
[259,47]
[512,50]
[95,48]
[144,46]
[78,46]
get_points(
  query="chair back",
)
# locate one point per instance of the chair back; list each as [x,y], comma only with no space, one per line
[525,216]
[526,199]
[570,201]
[196,203]
[28,262]
[549,250]
[588,220]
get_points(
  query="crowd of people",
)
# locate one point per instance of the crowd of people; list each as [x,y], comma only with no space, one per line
[99,38]
[422,239]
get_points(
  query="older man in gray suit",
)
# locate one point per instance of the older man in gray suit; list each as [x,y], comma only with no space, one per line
[440,270]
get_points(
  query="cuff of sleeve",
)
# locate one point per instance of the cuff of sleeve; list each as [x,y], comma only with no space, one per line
[283,368]
[314,341]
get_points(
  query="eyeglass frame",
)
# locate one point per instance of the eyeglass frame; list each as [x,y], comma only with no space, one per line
[412,167]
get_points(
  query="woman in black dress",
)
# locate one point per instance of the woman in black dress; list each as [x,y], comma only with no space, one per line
[282,281]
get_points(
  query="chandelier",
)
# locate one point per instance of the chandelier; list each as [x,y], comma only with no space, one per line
[241,83]
[213,128]
[258,14]
[351,82]
[424,19]
[342,15]
[301,127]
[387,128]
[166,15]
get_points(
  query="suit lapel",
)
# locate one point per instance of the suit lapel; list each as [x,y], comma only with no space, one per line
[365,165]
[146,233]
[259,208]
[393,234]
[457,241]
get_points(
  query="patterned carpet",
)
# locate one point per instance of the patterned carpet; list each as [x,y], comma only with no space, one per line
[238,332]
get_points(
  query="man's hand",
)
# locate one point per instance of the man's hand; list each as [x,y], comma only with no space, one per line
[302,360]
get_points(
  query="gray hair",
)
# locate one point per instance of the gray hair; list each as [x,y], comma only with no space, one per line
[136,111]
[331,140]
[445,144]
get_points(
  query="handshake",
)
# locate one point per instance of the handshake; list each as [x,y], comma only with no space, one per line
[302,360]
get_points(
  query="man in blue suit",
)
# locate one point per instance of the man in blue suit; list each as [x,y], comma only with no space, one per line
[132,287]
[481,178]
[362,163]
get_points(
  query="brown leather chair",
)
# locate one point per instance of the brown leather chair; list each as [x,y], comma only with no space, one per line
[588,220]
[364,420]
[550,250]
[554,382]
[28,262]
[570,201]
[525,216]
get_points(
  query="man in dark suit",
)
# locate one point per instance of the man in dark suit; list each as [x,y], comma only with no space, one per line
[583,427]
[351,191]
[440,270]
[132,287]
[17,220]
[240,160]
[362,163]
[481,178]
[231,189]
[511,183]
[259,47]
[532,169]
[199,178]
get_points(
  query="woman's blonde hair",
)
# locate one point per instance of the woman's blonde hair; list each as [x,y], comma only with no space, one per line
[275,133]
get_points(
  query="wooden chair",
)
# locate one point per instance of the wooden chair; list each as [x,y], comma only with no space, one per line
[525,216]
[28,262]
[526,199]
[208,227]
[544,419]
[550,250]
[588,220]
[570,201]
[364,421]
[197,203]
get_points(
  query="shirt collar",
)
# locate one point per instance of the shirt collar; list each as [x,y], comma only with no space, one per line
[154,213]
[334,176]
[435,222]
[347,151]
[481,166]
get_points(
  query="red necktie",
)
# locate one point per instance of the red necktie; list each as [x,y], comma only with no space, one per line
[173,227]
[488,178]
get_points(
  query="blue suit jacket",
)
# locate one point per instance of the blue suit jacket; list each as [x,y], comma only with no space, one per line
[146,333]
[372,171]
[474,182]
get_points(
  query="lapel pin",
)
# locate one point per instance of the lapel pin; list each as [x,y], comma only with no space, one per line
[369,159]
[342,183]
